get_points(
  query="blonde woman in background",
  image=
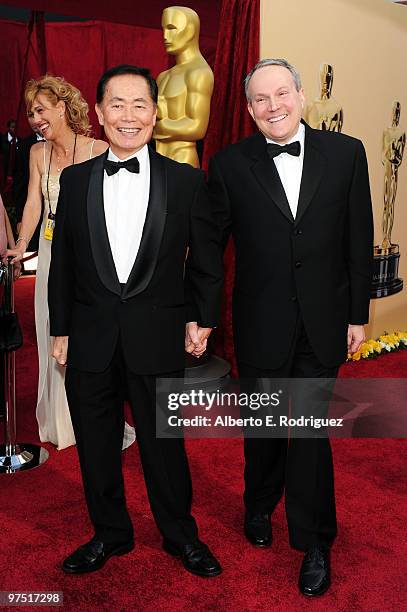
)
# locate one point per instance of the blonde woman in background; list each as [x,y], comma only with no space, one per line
[57,110]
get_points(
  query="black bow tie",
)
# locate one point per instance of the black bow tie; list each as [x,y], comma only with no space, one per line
[294,148]
[111,167]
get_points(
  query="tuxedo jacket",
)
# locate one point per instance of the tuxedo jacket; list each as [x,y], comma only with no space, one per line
[147,315]
[5,147]
[317,266]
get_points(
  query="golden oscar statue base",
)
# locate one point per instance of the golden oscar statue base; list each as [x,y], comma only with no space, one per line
[211,374]
[385,271]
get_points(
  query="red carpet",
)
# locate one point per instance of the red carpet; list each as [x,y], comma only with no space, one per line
[43,517]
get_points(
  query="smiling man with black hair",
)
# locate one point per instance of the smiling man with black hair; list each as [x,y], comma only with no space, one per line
[120,294]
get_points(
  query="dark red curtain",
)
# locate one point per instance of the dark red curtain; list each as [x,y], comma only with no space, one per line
[236,53]
[80,52]
[134,12]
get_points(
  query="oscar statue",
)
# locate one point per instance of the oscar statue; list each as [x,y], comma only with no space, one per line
[325,113]
[387,254]
[184,91]
[184,100]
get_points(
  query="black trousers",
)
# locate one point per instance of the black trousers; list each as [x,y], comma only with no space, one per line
[96,406]
[303,467]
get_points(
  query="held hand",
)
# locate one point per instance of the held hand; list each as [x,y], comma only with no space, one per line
[189,345]
[60,349]
[356,336]
[203,335]
[191,336]
[196,338]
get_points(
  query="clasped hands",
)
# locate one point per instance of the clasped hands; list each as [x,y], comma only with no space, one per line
[196,338]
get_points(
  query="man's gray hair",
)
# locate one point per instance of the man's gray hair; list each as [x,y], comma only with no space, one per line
[273,62]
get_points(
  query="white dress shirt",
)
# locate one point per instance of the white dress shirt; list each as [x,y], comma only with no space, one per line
[289,168]
[126,197]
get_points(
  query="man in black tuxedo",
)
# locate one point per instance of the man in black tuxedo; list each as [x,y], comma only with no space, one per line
[297,203]
[120,292]
[6,141]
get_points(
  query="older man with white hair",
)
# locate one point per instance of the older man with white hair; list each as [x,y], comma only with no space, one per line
[297,203]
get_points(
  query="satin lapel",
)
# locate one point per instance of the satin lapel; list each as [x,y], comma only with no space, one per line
[144,265]
[265,172]
[99,239]
[312,172]
[267,175]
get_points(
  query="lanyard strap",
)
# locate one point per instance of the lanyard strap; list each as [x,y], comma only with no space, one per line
[51,215]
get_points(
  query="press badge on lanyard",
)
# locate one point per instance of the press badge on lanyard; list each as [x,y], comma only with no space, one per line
[49,226]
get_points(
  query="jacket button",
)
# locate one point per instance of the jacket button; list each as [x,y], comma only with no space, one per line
[298,264]
[298,232]
[294,298]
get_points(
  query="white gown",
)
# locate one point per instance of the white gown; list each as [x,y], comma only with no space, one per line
[53,415]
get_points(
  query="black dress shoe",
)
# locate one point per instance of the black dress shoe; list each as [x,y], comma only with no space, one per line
[315,573]
[257,529]
[93,555]
[196,558]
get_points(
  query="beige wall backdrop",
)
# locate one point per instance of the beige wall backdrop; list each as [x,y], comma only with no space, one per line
[366,42]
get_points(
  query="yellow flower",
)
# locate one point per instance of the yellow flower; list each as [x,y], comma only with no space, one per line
[403,338]
[386,342]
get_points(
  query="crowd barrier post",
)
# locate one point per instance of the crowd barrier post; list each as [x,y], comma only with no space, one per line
[14,456]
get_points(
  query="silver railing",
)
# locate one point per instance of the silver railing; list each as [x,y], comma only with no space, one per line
[14,456]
